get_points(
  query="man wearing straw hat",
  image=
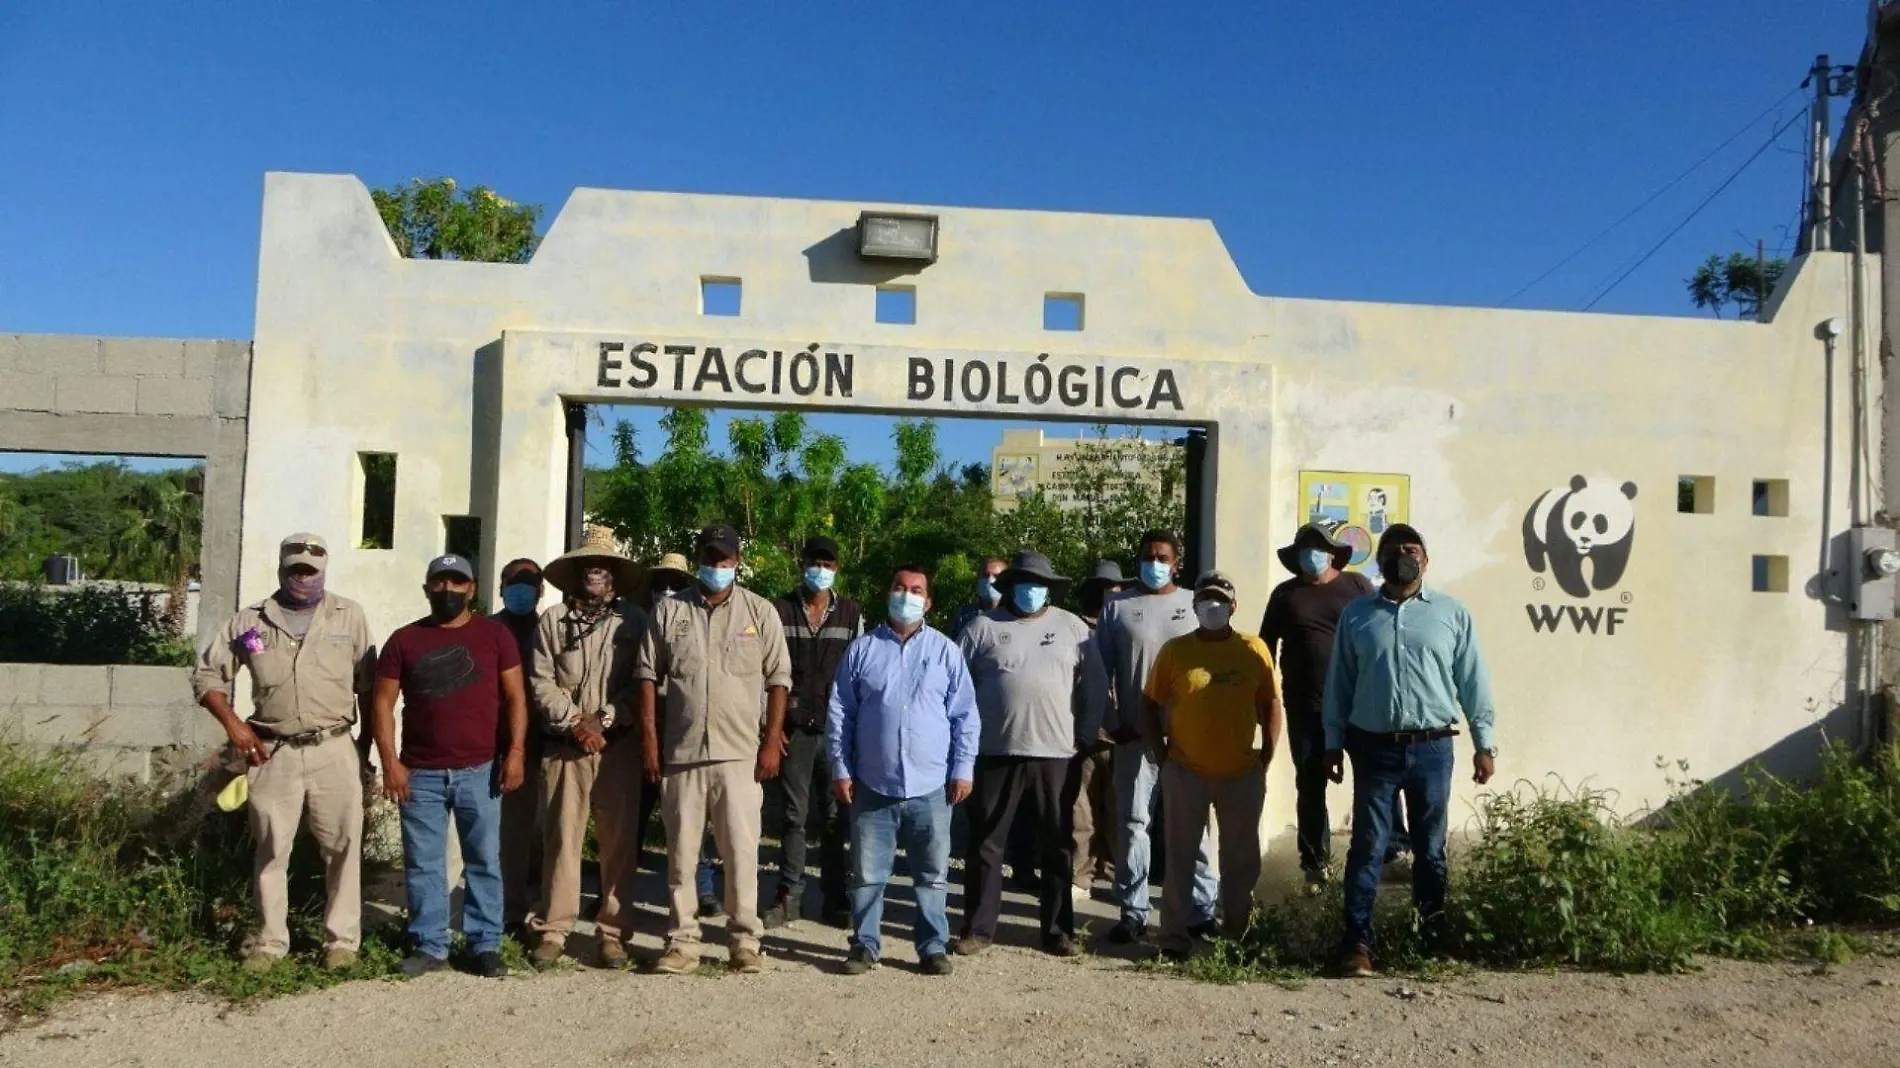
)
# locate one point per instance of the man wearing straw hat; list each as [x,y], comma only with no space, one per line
[583,687]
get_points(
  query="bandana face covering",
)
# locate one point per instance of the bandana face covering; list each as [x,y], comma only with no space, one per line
[303,591]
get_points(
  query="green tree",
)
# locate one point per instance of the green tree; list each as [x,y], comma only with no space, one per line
[1740,280]
[434,219]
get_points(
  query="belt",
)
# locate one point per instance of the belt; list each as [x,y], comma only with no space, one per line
[1407,737]
[305,738]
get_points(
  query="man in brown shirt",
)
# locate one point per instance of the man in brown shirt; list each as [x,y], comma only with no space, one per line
[312,664]
[721,651]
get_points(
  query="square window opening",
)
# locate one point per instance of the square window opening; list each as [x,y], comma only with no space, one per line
[719,296]
[897,305]
[1062,311]
[1770,574]
[379,500]
[1695,494]
[462,536]
[1769,496]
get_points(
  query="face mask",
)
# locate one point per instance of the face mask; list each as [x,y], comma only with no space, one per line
[445,605]
[1155,574]
[819,579]
[986,592]
[301,590]
[1315,561]
[520,598]
[1029,599]
[1405,570]
[716,578]
[906,608]
[1213,614]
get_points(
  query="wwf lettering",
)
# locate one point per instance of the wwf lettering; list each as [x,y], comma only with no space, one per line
[1549,619]
[1041,383]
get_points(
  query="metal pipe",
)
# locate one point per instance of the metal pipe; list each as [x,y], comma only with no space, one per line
[576,471]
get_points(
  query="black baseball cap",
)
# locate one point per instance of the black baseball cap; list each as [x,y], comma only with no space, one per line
[1213,582]
[819,547]
[450,564]
[720,536]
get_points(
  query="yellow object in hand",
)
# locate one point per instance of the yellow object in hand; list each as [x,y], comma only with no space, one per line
[233,796]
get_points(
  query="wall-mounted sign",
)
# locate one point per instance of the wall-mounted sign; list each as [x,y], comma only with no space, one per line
[1581,535]
[1366,502]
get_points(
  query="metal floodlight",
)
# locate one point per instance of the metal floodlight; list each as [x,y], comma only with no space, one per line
[896,235]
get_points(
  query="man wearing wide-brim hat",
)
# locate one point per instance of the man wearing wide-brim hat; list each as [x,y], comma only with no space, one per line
[583,688]
[1301,617]
[1040,693]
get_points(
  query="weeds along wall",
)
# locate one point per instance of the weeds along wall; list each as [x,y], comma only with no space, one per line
[1539,453]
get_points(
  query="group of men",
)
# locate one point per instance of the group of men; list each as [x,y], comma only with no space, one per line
[681,690]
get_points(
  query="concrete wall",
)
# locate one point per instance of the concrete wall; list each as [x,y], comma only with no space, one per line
[137,721]
[145,397]
[459,369]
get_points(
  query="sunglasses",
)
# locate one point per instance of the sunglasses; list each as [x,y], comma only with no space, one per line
[301,548]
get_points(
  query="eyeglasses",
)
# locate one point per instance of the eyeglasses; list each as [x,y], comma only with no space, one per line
[304,548]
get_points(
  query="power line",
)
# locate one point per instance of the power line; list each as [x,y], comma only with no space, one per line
[1697,210]
[1651,199]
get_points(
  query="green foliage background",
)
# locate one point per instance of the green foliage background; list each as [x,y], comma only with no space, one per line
[121,524]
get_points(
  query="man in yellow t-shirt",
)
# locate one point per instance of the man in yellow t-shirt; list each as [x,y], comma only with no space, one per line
[1207,693]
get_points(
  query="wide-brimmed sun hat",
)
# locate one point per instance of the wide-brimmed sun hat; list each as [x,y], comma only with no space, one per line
[1320,535]
[598,548]
[1032,566]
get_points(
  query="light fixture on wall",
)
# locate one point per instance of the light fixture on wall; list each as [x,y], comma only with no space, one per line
[897,235]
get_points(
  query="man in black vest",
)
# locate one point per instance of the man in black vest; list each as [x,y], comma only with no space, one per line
[819,625]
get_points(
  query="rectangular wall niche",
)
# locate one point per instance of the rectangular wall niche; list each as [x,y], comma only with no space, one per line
[1771,574]
[719,296]
[1769,496]
[462,535]
[1695,494]
[379,500]
[897,305]
[1063,311]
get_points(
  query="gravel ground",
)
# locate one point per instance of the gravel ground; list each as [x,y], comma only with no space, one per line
[1011,1006]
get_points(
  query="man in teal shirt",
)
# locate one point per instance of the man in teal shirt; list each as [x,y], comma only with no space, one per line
[1405,668]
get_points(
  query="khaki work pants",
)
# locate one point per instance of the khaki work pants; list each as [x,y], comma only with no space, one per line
[725,793]
[1094,812]
[1185,800]
[575,785]
[320,787]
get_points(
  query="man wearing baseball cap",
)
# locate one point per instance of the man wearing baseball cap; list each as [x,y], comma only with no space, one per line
[457,673]
[1209,692]
[311,660]
[721,651]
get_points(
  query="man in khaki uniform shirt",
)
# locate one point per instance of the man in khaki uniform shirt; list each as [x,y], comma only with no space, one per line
[312,662]
[582,682]
[721,651]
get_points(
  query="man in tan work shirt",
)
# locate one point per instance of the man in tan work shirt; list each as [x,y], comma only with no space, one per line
[721,651]
[582,683]
[312,661]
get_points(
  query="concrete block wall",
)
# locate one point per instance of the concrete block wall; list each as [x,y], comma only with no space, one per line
[183,397]
[136,721]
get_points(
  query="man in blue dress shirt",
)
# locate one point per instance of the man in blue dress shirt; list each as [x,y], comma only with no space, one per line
[1405,668]
[902,737]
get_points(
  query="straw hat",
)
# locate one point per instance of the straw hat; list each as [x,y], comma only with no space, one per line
[597,549]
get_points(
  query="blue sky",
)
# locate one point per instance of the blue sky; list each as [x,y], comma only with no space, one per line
[1417,153]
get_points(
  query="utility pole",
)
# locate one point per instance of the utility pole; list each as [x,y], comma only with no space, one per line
[1820,153]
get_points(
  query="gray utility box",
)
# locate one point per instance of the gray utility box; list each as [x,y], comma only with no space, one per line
[1872,561]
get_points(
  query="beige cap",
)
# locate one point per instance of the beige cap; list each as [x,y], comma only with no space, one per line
[304,548]
[674,562]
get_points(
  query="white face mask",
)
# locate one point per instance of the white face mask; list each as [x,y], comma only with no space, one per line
[1213,614]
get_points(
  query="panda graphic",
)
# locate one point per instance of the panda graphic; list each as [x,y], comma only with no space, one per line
[1586,521]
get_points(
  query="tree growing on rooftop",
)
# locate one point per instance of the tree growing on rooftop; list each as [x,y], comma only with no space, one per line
[435,219]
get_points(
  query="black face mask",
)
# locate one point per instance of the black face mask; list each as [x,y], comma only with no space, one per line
[1405,570]
[445,605]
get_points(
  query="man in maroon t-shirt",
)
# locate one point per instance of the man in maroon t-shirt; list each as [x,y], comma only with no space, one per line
[454,670]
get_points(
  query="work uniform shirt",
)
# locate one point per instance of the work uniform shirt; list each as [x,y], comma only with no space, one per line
[1135,625]
[716,662]
[1409,665]
[1040,688]
[580,668]
[298,685]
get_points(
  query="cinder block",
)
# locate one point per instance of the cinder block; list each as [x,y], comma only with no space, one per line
[231,386]
[63,684]
[52,354]
[201,358]
[20,684]
[135,685]
[26,393]
[155,357]
[115,396]
[108,762]
[175,396]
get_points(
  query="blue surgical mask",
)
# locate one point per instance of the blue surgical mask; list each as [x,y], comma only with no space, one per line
[986,591]
[1155,574]
[716,578]
[1315,561]
[1029,598]
[520,598]
[819,579]
[906,608]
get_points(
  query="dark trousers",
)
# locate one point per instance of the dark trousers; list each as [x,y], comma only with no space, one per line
[1046,788]
[805,778]
[1382,772]
[1306,744]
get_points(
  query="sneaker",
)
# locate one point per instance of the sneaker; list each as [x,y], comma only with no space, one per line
[746,961]
[708,907]
[1060,945]
[1314,883]
[417,965]
[937,964]
[1358,964]
[837,912]
[1206,931]
[783,913]
[547,953]
[613,955]
[339,960]
[1127,932]
[489,965]
[1078,895]
[969,945]
[676,961]
[259,963]
[858,961]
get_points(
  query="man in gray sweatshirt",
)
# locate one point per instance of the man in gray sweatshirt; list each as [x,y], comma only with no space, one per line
[1040,690]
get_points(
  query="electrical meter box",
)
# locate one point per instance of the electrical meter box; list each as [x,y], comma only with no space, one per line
[1872,561]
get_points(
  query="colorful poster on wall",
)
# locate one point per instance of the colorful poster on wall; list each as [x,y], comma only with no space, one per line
[1365,501]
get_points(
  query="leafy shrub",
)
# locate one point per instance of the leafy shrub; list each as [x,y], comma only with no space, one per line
[88,625]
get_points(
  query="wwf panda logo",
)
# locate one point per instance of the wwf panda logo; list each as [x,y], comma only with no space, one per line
[1587,521]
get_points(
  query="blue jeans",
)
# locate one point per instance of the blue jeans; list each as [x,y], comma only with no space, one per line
[468,796]
[921,825]
[1135,779]
[703,875]
[1381,772]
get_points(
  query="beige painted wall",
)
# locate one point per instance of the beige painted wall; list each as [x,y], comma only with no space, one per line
[359,350]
